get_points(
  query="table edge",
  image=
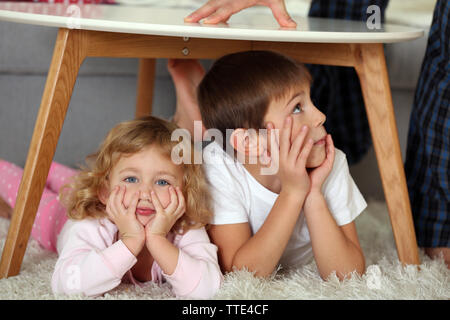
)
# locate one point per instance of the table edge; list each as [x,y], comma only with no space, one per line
[198,31]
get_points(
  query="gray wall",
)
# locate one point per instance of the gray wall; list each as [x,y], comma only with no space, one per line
[105,93]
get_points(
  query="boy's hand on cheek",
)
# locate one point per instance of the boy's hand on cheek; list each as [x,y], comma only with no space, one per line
[292,159]
[320,174]
[131,231]
[165,218]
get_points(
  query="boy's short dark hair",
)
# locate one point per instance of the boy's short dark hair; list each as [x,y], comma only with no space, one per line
[237,90]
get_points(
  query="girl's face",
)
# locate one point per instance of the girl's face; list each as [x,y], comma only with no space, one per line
[146,171]
[299,106]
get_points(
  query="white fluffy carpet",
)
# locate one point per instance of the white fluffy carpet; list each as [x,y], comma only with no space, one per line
[385,278]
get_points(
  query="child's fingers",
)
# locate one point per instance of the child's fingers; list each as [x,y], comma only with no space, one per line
[275,135]
[109,210]
[285,138]
[111,200]
[173,200]
[297,145]
[272,139]
[269,127]
[330,144]
[118,198]
[330,149]
[156,202]
[133,204]
[304,154]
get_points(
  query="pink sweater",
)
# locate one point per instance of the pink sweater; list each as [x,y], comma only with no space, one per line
[91,261]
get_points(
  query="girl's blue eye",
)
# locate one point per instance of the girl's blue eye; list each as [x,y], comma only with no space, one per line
[297,108]
[130,179]
[162,182]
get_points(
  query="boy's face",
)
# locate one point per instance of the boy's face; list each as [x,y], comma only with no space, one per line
[297,103]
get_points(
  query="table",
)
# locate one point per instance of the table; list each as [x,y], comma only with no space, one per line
[151,32]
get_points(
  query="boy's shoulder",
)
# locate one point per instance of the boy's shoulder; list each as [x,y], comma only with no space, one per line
[340,158]
[213,154]
[217,162]
[340,179]
[343,197]
[227,178]
[339,171]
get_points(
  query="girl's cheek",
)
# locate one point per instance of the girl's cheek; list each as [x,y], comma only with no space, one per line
[164,198]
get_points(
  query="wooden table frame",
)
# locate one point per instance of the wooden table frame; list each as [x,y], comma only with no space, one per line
[73,46]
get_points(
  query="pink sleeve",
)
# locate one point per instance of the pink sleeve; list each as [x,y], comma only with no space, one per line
[197,274]
[89,262]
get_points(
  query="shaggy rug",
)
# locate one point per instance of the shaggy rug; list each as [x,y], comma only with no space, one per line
[385,278]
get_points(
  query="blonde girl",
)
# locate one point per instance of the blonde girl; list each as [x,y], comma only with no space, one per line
[133,215]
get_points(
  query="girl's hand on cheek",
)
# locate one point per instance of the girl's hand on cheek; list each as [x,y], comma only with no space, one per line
[165,218]
[131,231]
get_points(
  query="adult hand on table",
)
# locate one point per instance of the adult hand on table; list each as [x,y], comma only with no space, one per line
[216,11]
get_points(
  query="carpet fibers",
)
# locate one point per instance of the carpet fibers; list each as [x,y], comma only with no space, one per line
[385,278]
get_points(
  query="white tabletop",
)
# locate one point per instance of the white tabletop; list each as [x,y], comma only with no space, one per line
[169,21]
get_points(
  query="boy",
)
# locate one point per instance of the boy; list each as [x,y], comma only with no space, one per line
[308,206]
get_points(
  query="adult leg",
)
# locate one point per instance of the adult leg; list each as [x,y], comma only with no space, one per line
[186,76]
[428,145]
[50,216]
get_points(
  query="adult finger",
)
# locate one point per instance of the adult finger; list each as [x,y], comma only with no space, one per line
[204,11]
[281,15]
[221,15]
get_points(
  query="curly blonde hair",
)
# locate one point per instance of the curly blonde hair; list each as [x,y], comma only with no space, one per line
[81,195]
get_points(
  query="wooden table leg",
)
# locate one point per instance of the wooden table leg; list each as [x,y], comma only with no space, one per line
[72,46]
[146,81]
[67,58]
[372,72]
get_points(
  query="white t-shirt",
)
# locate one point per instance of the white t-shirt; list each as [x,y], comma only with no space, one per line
[238,197]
